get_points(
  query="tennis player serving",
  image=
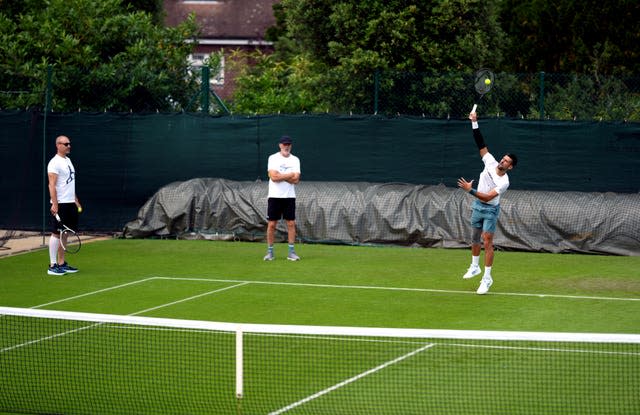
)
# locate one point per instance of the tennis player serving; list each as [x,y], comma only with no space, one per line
[493,182]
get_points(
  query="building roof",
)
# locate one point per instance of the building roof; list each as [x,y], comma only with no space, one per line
[224,19]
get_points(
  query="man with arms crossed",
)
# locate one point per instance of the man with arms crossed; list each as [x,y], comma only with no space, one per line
[64,202]
[493,182]
[284,173]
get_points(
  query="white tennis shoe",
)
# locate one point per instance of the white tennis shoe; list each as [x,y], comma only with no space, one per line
[293,256]
[269,256]
[472,272]
[484,285]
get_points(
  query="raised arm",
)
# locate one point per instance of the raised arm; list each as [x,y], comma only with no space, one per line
[477,135]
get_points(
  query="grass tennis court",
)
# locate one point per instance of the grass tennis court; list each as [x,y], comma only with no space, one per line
[334,285]
[342,286]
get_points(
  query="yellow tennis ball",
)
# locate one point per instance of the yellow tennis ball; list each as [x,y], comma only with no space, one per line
[487,81]
[79,210]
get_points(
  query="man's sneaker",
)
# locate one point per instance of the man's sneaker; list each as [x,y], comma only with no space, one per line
[55,270]
[472,272]
[292,256]
[484,285]
[269,256]
[68,268]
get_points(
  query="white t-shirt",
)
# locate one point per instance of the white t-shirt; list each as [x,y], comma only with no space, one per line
[489,179]
[66,183]
[283,165]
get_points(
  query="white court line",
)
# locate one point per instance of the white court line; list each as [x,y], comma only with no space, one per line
[540,349]
[92,293]
[53,336]
[188,299]
[348,381]
[17,346]
[431,290]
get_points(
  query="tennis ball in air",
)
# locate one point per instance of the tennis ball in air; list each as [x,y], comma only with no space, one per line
[487,81]
[79,210]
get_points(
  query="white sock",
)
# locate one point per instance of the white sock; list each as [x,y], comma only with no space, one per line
[54,244]
[475,261]
[487,272]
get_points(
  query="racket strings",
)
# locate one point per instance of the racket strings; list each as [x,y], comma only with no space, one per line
[70,241]
[481,85]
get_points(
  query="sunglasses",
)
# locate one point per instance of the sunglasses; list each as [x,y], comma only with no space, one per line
[65,144]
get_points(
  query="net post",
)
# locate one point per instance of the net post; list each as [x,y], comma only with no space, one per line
[239,367]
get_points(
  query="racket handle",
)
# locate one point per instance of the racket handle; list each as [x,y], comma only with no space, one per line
[475,106]
[58,217]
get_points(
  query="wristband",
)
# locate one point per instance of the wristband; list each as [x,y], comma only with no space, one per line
[473,191]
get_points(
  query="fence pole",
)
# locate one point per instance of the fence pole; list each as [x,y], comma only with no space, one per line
[47,108]
[204,92]
[376,86]
[542,95]
[220,102]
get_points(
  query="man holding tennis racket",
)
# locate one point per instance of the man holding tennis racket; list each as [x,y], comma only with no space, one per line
[284,173]
[64,202]
[493,182]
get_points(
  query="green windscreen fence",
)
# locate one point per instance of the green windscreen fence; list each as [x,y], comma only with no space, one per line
[123,159]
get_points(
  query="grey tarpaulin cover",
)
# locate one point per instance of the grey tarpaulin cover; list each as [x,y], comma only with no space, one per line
[394,213]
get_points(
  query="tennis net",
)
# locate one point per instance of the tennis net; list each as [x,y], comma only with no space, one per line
[80,363]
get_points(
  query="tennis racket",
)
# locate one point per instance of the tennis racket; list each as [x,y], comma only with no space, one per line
[69,239]
[483,83]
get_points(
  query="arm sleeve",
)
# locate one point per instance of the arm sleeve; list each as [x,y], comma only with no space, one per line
[477,136]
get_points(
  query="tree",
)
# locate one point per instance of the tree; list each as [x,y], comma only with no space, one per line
[346,42]
[572,36]
[153,7]
[397,34]
[268,86]
[104,56]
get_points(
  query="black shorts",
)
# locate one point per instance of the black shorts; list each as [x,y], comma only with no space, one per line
[68,213]
[281,208]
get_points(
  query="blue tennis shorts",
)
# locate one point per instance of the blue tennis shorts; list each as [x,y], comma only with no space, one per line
[484,216]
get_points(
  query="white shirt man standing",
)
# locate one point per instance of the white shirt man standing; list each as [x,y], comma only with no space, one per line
[284,173]
[64,203]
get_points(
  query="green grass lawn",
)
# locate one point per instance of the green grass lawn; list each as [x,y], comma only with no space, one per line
[336,285]
[331,286]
